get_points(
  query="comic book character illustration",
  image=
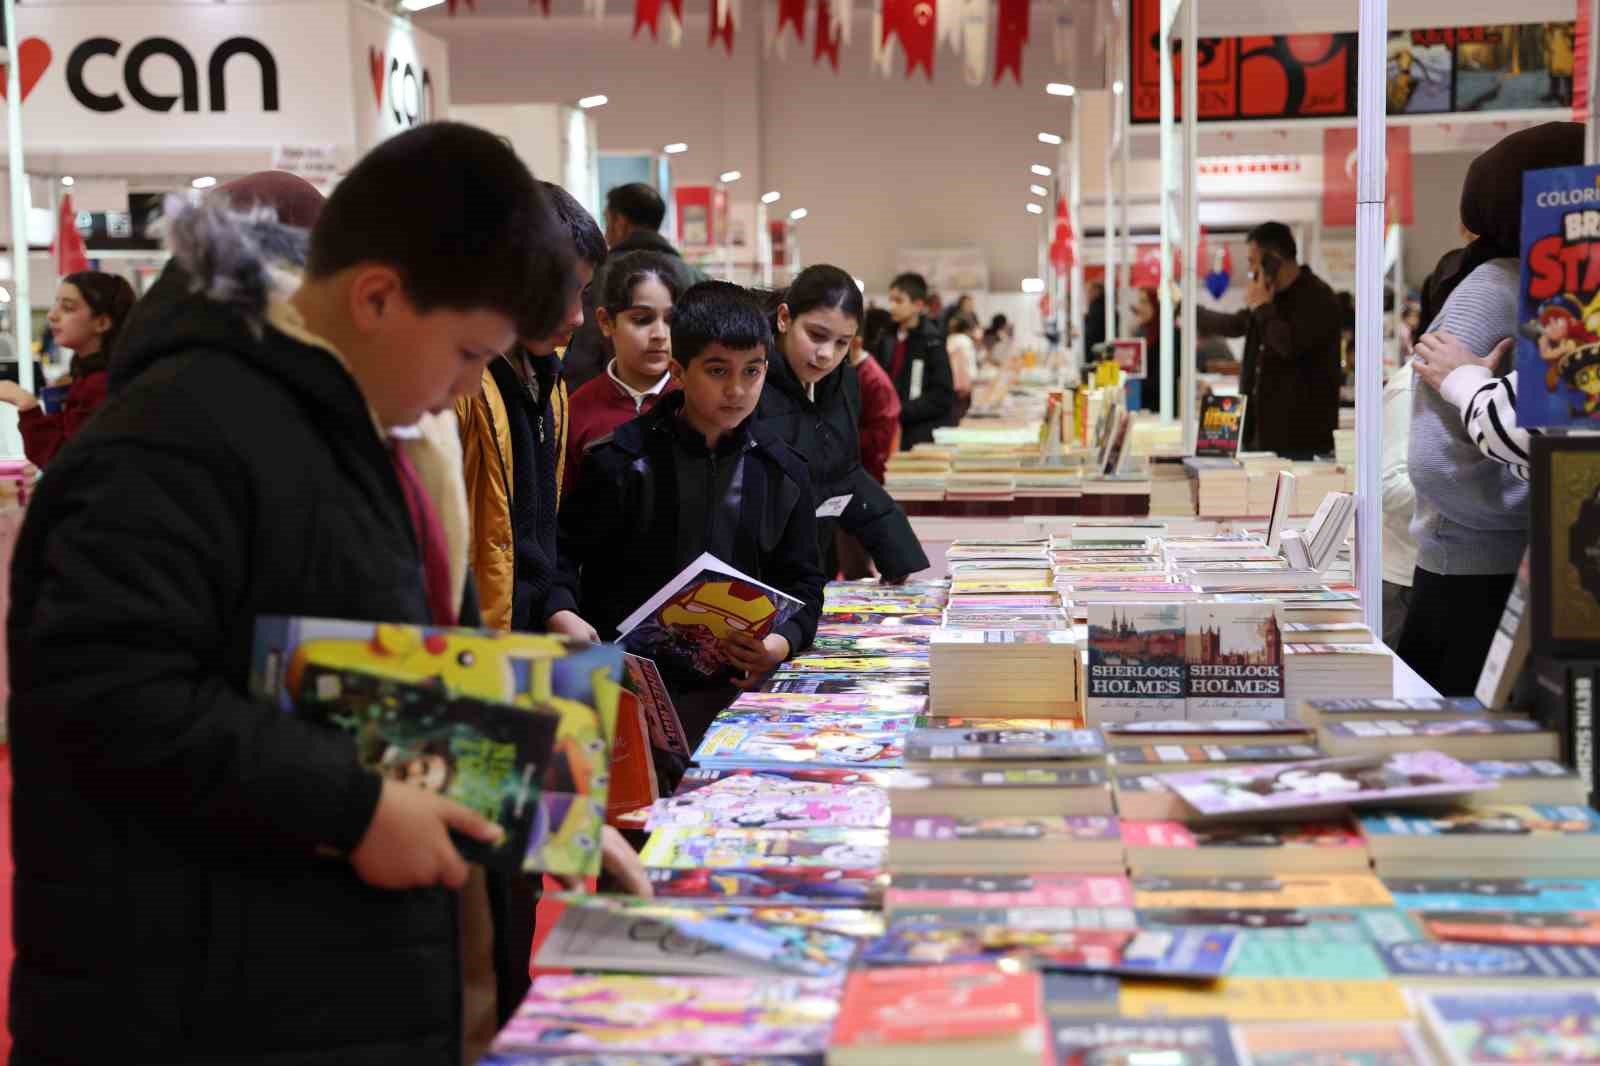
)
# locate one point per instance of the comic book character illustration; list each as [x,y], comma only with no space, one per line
[826,745]
[1581,371]
[721,608]
[792,885]
[1562,331]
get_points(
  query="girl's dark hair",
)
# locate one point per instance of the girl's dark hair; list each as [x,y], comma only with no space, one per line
[628,270]
[874,326]
[820,286]
[106,294]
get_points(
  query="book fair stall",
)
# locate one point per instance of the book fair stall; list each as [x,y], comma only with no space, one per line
[1136,769]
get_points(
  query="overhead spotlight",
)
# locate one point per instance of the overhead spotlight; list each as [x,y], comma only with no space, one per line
[597,100]
[1117,87]
[1057,88]
[1041,170]
[771,197]
[1049,138]
[730,176]
[69,181]
[1034,209]
[419,5]
[207,182]
[1032,285]
[797,214]
[1039,190]
[675,148]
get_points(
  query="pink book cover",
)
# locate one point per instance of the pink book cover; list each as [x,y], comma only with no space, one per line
[835,702]
[1008,890]
[723,1016]
[1326,782]
[1136,834]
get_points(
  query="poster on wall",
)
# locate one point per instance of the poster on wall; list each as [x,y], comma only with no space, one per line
[1482,68]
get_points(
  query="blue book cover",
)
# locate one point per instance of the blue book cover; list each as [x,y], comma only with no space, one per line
[1530,894]
[1528,1025]
[1558,343]
[1432,958]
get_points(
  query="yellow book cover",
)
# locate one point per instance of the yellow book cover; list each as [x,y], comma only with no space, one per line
[1275,893]
[1266,999]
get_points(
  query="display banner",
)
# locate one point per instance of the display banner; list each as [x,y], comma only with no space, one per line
[1339,177]
[406,79]
[827,43]
[1010,35]
[913,22]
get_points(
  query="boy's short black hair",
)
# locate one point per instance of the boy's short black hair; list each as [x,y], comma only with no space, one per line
[718,312]
[1274,237]
[915,286]
[454,211]
[587,240]
[638,203]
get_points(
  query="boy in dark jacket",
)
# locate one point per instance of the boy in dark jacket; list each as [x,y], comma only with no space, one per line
[691,476]
[913,353]
[200,878]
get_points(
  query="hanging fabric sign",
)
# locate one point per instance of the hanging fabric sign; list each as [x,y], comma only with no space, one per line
[1010,34]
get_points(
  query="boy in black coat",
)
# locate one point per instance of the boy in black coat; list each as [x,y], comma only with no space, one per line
[915,357]
[691,476]
[200,878]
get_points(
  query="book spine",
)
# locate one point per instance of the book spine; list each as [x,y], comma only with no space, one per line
[1565,705]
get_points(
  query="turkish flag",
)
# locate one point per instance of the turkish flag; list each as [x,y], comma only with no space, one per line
[827,35]
[647,13]
[72,255]
[792,11]
[1009,37]
[470,3]
[722,24]
[913,22]
[1339,177]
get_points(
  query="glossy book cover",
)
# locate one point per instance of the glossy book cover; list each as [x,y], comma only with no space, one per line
[1243,894]
[1234,655]
[1498,1027]
[1115,1041]
[687,621]
[1558,351]
[945,1003]
[1513,927]
[724,1016]
[1427,958]
[809,886]
[844,849]
[849,683]
[1177,835]
[1000,745]
[866,744]
[1323,783]
[1057,831]
[1136,661]
[1531,894]
[1006,891]
[775,799]
[859,703]
[1578,823]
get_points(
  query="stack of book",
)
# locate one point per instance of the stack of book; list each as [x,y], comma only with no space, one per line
[1333,671]
[1221,487]
[1024,673]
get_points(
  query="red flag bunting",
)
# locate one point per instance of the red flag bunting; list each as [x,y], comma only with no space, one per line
[827,36]
[647,13]
[792,11]
[913,22]
[544,5]
[72,255]
[722,29]
[1009,37]
[473,4]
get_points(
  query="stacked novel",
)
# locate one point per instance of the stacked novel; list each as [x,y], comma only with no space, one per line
[1005,673]
[1337,671]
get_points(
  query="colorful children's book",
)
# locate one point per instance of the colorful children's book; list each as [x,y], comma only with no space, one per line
[995,745]
[867,742]
[1136,662]
[754,849]
[810,886]
[1349,1043]
[992,1014]
[1258,850]
[641,678]
[1491,1026]
[490,757]
[580,682]
[1531,894]
[941,844]
[849,683]
[1178,1042]
[1247,894]
[1546,841]
[1558,354]
[722,1016]
[1191,954]
[864,663]
[775,799]
[1234,661]
[971,891]
[1264,999]
[1513,927]
[1427,960]
[1159,758]
[1221,426]
[834,703]
[686,622]
[899,722]
[1324,784]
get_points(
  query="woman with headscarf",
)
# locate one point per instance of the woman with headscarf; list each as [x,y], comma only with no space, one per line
[1471,521]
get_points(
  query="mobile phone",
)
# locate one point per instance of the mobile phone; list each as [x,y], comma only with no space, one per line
[1270,265]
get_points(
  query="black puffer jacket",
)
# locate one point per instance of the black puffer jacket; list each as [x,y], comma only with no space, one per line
[180,892]
[826,431]
[925,382]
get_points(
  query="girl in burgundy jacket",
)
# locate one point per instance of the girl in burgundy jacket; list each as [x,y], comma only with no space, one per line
[88,314]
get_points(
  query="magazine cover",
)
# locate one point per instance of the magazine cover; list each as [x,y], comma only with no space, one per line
[1252,791]
[771,799]
[724,1016]
[754,849]
[581,682]
[848,703]
[879,614]
[860,664]
[905,642]
[687,621]
[1531,894]
[1558,352]
[808,886]
[490,757]
[998,778]
[1194,954]
[1564,556]
[641,678]
[1169,1041]
[867,745]
[1234,659]
[1496,1027]
[839,683]
[1136,662]
[962,891]
[818,720]
[1002,745]
[1513,927]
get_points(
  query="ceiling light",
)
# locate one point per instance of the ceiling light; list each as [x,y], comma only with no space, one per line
[797,214]
[419,5]
[597,100]
[1031,285]
[1049,138]
[69,181]
[730,176]
[1041,170]
[1039,190]
[1117,87]
[771,197]
[1035,209]
[675,147]
[1057,88]
[204,183]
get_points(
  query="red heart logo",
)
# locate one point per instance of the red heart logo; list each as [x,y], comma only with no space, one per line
[375,61]
[35,57]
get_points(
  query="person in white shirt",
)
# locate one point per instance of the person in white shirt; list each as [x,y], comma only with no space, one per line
[1399,501]
[963,349]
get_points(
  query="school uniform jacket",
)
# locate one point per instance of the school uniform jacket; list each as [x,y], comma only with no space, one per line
[924,382]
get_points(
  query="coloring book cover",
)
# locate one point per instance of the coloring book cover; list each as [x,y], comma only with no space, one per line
[775,799]
[686,622]
[1558,347]
[754,849]
[809,886]
[867,742]
[1497,1027]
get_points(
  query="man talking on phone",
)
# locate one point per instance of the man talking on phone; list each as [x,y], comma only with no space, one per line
[1291,371]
